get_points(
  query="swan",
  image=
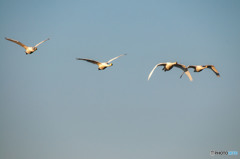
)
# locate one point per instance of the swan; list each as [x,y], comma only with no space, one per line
[199,68]
[28,50]
[169,65]
[101,65]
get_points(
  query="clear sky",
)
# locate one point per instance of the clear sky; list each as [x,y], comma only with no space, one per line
[55,107]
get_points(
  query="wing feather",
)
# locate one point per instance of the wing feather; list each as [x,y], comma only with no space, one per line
[189,75]
[89,60]
[181,66]
[115,58]
[214,70]
[160,64]
[17,42]
[41,42]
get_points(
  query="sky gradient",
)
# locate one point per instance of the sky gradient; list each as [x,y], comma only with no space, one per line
[55,107]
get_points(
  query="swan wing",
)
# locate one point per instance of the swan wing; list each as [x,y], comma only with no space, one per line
[17,42]
[192,66]
[214,70]
[189,75]
[181,66]
[160,64]
[115,58]
[41,42]
[89,60]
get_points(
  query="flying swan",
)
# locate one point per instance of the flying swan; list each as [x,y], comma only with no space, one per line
[101,65]
[28,50]
[199,68]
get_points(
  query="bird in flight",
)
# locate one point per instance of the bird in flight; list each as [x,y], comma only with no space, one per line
[28,49]
[101,65]
[199,68]
[169,65]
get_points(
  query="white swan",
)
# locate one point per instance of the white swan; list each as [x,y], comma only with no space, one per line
[169,65]
[28,50]
[101,65]
[199,68]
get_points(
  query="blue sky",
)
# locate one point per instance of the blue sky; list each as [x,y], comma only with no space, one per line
[55,107]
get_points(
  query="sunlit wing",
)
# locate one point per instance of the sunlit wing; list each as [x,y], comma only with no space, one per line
[17,42]
[115,58]
[160,64]
[181,66]
[41,42]
[89,60]
[185,70]
[214,70]
[189,75]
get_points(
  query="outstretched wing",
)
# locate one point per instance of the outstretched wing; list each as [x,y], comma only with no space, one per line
[189,75]
[214,70]
[160,64]
[41,42]
[191,66]
[181,66]
[89,60]
[115,58]
[185,69]
[17,42]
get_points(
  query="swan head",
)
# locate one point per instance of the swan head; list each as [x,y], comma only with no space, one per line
[34,48]
[110,64]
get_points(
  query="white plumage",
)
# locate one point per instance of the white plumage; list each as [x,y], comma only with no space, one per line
[28,49]
[199,68]
[101,65]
